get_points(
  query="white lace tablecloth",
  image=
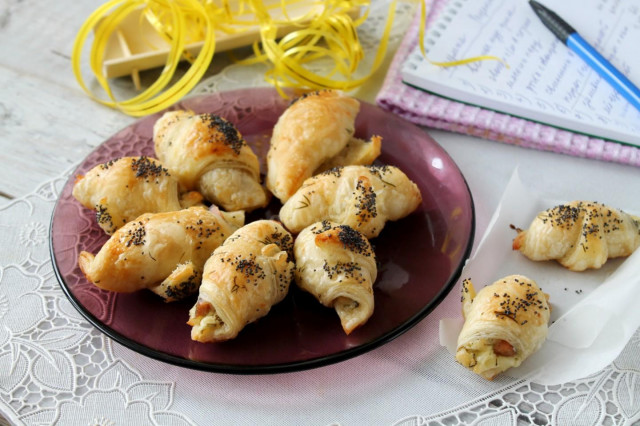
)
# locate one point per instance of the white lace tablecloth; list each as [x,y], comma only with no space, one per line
[55,368]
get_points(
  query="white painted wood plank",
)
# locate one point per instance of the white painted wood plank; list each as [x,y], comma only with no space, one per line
[44,132]
[36,37]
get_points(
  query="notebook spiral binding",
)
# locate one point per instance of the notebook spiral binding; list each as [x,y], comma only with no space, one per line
[445,17]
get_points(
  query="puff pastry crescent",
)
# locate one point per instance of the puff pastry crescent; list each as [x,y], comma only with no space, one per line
[337,265]
[579,235]
[505,323]
[314,134]
[207,153]
[164,252]
[123,189]
[242,280]
[363,197]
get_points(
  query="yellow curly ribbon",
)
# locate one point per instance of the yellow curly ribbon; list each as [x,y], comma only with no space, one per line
[106,19]
[455,63]
[327,32]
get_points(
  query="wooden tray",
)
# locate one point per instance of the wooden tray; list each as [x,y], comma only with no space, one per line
[136,46]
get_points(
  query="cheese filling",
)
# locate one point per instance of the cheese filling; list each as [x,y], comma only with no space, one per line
[480,356]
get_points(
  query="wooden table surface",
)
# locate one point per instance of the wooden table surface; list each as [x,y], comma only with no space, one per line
[45,118]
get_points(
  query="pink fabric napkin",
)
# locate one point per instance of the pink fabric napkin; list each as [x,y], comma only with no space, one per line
[433,111]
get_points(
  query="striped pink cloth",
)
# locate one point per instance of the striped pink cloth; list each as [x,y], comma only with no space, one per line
[433,111]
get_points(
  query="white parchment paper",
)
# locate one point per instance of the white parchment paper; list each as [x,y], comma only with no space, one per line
[594,313]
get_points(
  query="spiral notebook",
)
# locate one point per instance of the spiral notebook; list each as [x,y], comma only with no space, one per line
[545,82]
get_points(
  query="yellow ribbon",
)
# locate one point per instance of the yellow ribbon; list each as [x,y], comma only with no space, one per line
[106,19]
[330,33]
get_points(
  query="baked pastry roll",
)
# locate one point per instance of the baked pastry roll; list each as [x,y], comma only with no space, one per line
[505,323]
[356,152]
[123,189]
[337,265]
[207,153]
[314,134]
[163,252]
[579,235]
[242,280]
[363,197]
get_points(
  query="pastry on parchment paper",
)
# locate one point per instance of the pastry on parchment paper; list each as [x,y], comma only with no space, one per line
[505,323]
[579,235]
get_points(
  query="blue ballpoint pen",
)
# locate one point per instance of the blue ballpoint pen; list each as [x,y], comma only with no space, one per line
[565,33]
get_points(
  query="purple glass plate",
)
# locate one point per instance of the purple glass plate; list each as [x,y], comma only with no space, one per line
[420,257]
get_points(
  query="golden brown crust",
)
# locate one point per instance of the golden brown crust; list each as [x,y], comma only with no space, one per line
[505,323]
[313,134]
[337,265]
[123,189]
[356,152]
[242,280]
[363,197]
[579,235]
[161,249]
[207,153]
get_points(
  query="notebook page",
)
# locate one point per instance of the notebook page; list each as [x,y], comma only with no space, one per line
[545,81]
